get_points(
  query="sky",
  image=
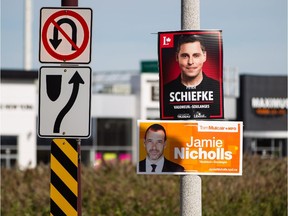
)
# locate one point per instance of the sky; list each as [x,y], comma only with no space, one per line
[124,33]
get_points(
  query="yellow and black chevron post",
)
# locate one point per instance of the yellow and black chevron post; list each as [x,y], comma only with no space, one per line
[64,188]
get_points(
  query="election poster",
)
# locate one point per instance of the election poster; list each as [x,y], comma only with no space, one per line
[191,74]
[190,147]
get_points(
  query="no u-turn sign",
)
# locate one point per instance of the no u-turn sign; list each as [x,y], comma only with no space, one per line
[65,35]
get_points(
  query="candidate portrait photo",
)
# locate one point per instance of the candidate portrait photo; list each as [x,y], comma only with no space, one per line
[153,142]
[191,74]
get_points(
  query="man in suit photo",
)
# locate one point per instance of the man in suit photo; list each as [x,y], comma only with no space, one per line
[155,143]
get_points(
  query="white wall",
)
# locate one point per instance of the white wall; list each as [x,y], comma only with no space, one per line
[113,106]
[230,108]
[18,108]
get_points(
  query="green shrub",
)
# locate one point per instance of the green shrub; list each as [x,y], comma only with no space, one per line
[117,190]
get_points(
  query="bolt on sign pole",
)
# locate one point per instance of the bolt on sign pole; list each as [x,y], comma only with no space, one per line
[190,185]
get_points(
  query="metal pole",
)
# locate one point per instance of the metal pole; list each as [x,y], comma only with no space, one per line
[190,14]
[190,185]
[190,195]
[69,2]
[79,200]
[28,35]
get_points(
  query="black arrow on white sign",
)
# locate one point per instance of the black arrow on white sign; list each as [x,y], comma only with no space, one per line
[55,41]
[76,80]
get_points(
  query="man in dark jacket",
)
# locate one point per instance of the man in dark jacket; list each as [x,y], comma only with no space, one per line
[155,143]
[192,95]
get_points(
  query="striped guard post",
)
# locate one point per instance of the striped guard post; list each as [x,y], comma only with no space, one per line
[64,178]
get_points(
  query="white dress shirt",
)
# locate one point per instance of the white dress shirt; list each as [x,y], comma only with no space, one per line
[159,165]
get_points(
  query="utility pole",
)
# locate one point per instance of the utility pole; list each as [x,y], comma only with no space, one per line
[190,185]
[79,200]
[28,36]
[69,3]
[190,14]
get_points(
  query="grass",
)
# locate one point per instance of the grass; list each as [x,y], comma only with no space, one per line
[116,190]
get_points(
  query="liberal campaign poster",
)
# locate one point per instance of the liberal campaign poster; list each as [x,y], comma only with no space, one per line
[191,74]
[190,147]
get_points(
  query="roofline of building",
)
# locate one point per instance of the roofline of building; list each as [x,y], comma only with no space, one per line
[19,74]
[263,75]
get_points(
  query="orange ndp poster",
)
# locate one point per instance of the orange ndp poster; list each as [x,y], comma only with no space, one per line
[190,147]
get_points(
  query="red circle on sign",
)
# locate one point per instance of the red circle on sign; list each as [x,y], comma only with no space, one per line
[50,21]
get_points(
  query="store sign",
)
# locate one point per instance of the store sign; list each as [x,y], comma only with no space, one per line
[269,106]
[15,106]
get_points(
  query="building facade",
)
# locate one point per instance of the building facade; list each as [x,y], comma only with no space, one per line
[263,108]
[119,99]
[18,118]
[114,117]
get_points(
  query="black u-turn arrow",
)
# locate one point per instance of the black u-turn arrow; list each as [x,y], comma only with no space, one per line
[55,41]
[76,80]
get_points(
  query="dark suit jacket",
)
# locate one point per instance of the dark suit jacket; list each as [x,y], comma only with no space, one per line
[168,166]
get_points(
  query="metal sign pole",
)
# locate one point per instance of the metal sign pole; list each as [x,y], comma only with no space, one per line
[190,185]
[69,2]
[79,201]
